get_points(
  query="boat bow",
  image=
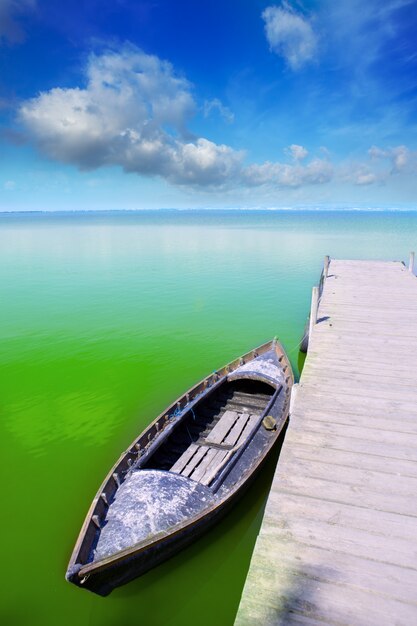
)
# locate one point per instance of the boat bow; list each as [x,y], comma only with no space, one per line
[147,503]
[265,367]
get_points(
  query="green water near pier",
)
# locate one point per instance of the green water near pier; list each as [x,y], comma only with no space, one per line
[105,319]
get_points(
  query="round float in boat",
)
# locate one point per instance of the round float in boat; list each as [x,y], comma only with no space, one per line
[269,422]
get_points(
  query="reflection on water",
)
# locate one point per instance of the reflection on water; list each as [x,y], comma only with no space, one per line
[38,420]
[104,321]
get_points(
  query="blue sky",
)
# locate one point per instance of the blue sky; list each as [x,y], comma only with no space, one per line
[115,104]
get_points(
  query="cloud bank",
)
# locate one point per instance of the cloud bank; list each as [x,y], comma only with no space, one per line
[401,158]
[134,110]
[316,172]
[290,35]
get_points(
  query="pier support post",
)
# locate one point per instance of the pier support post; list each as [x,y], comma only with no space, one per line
[411,262]
[294,391]
[313,310]
[326,266]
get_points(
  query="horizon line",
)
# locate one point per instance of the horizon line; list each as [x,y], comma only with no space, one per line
[213,209]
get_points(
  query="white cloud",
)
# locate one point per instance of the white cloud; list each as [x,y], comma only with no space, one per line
[365,178]
[290,35]
[133,112]
[317,172]
[402,158]
[298,153]
[10,12]
[9,185]
[376,153]
[217,105]
[206,161]
[383,164]
[360,173]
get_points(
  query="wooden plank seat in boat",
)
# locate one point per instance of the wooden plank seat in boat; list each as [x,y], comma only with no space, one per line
[202,460]
[236,437]
[223,426]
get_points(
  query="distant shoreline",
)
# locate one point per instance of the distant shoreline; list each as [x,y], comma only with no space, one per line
[101,212]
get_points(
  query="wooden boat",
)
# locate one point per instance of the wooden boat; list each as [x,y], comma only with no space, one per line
[184,471]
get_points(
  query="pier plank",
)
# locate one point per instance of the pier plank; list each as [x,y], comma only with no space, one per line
[349,569]
[338,543]
[353,458]
[349,494]
[357,477]
[342,514]
[365,418]
[351,444]
[378,435]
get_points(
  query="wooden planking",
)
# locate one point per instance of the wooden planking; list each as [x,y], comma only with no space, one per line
[184,459]
[232,423]
[345,430]
[388,405]
[384,333]
[288,596]
[350,444]
[222,427]
[353,570]
[364,340]
[248,427]
[348,580]
[374,420]
[195,460]
[352,541]
[382,391]
[356,314]
[360,495]
[234,438]
[237,429]
[216,463]
[205,464]
[354,476]
[368,365]
[384,374]
[200,462]
[343,514]
[352,458]
[338,543]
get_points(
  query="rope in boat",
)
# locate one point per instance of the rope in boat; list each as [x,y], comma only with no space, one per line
[191,439]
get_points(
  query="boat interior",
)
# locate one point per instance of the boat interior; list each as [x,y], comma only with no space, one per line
[211,432]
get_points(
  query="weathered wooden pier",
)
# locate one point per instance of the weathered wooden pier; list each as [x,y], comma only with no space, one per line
[338,543]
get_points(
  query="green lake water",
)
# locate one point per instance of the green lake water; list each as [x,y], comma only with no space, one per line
[107,318]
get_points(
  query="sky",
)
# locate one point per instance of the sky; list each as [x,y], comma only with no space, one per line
[122,104]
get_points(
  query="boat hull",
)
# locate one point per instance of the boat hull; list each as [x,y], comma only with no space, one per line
[104,581]
[234,468]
